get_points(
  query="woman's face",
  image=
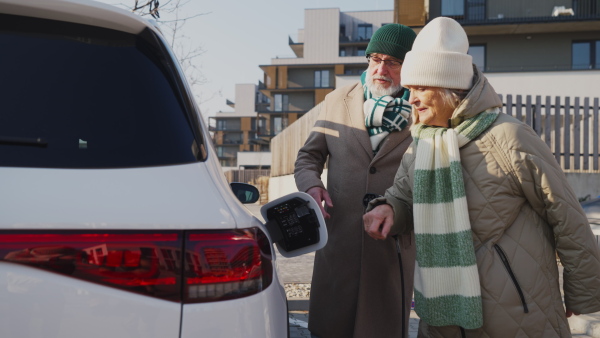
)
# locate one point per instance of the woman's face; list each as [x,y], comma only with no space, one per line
[431,109]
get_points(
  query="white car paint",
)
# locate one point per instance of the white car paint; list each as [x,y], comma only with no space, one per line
[167,197]
[37,303]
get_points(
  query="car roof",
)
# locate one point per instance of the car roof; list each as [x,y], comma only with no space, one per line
[85,12]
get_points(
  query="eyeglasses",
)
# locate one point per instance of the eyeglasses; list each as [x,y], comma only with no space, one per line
[391,64]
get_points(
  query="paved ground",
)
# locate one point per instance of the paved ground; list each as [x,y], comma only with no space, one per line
[299,325]
[298,270]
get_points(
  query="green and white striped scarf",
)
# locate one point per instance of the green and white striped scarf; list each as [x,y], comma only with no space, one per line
[384,114]
[447,289]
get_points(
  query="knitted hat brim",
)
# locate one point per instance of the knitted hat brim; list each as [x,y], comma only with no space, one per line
[437,69]
[383,47]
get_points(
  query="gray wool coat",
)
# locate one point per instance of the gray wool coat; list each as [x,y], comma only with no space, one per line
[359,288]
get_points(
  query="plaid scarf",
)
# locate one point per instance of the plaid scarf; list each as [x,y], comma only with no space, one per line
[384,114]
[447,289]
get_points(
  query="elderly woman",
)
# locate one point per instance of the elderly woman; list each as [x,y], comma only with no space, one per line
[490,205]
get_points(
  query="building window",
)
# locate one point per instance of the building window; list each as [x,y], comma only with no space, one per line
[365,31]
[229,124]
[262,126]
[476,10]
[277,124]
[478,54]
[281,102]
[361,51]
[585,8]
[342,51]
[321,78]
[261,98]
[227,151]
[353,71]
[586,55]
[453,8]
[233,138]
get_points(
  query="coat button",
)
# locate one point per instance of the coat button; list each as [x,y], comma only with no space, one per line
[372,170]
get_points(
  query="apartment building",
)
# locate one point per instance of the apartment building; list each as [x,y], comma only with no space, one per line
[330,47]
[237,132]
[534,47]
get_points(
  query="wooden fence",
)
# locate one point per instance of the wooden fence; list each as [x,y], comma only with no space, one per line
[257,177]
[569,126]
[246,176]
[285,146]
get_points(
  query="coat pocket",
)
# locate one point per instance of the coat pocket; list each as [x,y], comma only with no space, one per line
[512,275]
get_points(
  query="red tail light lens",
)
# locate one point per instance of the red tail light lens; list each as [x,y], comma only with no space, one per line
[212,265]
[225,265]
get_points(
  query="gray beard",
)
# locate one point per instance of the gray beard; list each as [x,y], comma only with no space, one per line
[379,90]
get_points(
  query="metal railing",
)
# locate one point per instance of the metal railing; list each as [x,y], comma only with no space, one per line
[486,12]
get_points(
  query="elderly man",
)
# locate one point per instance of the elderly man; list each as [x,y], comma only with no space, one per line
[361,287]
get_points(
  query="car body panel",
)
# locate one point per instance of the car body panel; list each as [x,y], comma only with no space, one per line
[268,316]
[40,304]
[170,197]
[35,303]
[88,12]
[193,196]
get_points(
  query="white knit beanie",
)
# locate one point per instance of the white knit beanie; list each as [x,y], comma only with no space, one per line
[438,57]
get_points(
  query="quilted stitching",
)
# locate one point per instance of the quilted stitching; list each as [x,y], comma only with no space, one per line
[523,232]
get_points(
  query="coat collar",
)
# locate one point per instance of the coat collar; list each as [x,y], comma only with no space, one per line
[354,108]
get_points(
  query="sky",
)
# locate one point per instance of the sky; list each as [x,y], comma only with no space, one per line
[238,36]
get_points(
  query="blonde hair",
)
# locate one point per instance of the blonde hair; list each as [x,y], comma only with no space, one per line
[451,97]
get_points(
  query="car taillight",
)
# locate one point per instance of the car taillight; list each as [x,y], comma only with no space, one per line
[210,265]
[226,265]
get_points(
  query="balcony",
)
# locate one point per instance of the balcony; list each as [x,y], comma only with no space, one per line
[353,41]
[282,112]
[297,47]
[516,16]
[227,141]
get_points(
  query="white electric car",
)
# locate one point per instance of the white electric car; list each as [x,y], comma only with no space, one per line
[115,217]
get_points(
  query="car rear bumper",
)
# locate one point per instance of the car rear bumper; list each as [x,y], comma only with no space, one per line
[35,303]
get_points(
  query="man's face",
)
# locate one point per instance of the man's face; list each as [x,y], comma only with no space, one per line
[383,76]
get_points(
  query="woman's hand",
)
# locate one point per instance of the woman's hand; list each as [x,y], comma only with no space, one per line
[378,222]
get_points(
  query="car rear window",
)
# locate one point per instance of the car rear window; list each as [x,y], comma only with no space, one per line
[77,96]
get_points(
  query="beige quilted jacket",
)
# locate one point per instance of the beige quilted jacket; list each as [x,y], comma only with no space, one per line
[522,212]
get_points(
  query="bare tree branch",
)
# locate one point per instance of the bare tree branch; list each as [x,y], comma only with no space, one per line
[188,52]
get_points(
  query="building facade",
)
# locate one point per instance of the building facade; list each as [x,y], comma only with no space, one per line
[237,132]
[535,47]
[331,46]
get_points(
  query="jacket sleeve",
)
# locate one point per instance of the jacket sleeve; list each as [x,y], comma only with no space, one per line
[312,156]
[547,190]
[399,196]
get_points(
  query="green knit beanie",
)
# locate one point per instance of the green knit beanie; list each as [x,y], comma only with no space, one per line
[393,40]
